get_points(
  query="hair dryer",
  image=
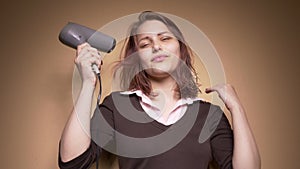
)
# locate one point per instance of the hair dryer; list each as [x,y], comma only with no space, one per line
[74,34]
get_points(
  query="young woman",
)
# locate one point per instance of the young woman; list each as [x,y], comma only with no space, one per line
[163,124]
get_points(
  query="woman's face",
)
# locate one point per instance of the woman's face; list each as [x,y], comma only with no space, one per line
[158,48]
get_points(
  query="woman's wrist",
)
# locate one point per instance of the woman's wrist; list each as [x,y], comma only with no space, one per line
[88,85]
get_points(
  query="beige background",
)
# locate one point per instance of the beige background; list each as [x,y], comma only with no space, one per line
[257,41]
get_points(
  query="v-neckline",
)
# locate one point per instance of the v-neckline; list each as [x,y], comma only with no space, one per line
[191,112]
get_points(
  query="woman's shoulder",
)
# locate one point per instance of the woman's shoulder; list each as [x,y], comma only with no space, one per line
[208,105]
[119,98]
[212,117]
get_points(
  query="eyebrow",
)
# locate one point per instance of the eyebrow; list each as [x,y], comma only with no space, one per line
[158,34]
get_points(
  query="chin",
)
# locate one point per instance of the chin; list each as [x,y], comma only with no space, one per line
[158,73]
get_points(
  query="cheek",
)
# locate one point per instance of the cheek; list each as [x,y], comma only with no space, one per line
[173,49]
[144,53]
[177,51]
[145,56]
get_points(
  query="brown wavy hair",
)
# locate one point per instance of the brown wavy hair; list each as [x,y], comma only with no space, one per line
[134,77]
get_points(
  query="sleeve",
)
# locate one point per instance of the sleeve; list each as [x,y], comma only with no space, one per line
[102,125]
[83,161]
[222,143]
[102,132]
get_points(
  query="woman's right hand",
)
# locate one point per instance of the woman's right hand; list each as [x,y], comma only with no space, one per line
[86,56]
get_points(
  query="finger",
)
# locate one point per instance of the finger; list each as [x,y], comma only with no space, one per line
[207,90]
[96,67]
[95,53]
[82,55]
[87,52]
[82,46]
[87,64]
[90,61]
[98,63]
[85,44]
[210,89]
[214,88]
[92,49]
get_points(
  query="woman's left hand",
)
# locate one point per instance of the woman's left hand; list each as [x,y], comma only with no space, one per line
[228,95]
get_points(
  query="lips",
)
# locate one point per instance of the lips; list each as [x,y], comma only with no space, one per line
[159,58]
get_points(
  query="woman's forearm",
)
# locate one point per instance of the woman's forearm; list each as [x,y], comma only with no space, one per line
[75,138]
[245,153]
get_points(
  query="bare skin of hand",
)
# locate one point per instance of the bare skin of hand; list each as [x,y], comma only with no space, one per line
[86,56]
[228,95]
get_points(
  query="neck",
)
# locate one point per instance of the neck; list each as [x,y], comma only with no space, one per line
[165,86]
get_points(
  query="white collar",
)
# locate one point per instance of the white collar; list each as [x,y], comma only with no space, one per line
[147,100]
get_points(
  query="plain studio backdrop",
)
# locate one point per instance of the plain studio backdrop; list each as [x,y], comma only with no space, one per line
[258,43]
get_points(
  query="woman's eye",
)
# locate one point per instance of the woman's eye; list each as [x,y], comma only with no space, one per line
[165,38]
[144,45]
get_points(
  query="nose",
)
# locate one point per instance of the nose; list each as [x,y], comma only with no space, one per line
[156,46]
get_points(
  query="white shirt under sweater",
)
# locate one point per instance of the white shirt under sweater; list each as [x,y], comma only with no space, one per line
[154,112]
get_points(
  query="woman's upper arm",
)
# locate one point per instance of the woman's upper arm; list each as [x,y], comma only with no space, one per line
[222,143]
